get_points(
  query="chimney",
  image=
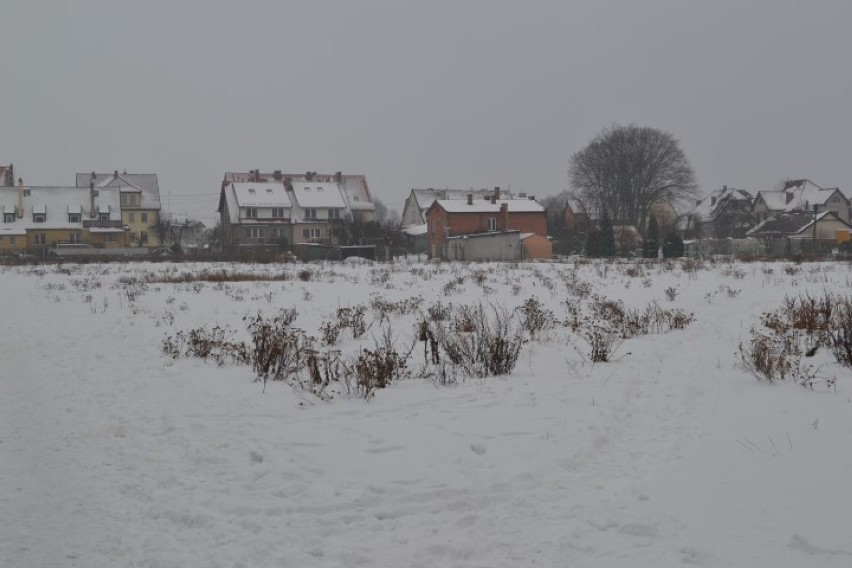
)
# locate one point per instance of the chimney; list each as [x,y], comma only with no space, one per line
[338,177]
[712,201]
[277,175]
[788,197]
[92,199]
[20,198]
[309,176]
[497,192]
[11,174]
[470,199]
[724,189]
[116,173]
[94,175]
[493,199]
[504,212]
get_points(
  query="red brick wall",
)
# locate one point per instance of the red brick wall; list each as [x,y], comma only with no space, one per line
[470,223]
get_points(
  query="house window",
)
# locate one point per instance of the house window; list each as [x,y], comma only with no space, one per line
[251,212]
[8,217]
[251,190]
[492,224]
[334,213]
[278,233]
[40,239]
[73,217]
[278,212]
[108,237]
[143,237]
[131,217]
[356,198]
[74,237]
[311,233]
[39,217]
[26,193]
[103,216]
[319,188]
[13,240]
[254,233]
[310,213]
[308,189]
[143,217]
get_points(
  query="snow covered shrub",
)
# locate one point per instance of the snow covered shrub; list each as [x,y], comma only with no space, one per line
[376,369]
[322,371]
[840,336]
[603,340]
[482,346]
[400,307]
[439,312]
[430,343]
[767,358]
[216,344]
[277,350]
[671,293]
[305,275]
[330,332]
[535,317]
[352,318]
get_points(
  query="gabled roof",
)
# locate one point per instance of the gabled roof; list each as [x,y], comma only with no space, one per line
[791,223]
[311,194]
[353,188]
[425,197]
[147,184]
[486,206]
[250,194]
[775,200]
[57,203]
[708,207]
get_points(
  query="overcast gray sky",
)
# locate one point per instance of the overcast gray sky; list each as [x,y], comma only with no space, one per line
[420,94]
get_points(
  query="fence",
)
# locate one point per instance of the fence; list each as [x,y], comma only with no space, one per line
[776,247]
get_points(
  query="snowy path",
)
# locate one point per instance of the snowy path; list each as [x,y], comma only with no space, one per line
[113,455]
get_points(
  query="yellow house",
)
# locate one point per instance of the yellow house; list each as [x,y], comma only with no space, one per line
[139,202]
[37,218]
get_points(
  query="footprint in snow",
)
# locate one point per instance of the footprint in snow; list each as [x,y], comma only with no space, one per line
[478,449]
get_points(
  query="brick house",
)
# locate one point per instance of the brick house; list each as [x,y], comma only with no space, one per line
[448,218]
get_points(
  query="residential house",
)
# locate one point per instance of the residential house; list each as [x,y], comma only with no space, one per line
[38,218]
[188,234]
[140,203]
[420,200]
[800,225]
[726,212]
[802,195]
[448,218]
[258,209]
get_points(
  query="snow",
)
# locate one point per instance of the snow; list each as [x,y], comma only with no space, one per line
[113,455]
[251,194]
[484,206]
[313,194]
[56,203]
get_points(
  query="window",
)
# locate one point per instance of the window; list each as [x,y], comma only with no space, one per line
[131,217]
[8,217]
[74,237]
[356,198]
[278,212]
[143,217]
[143,237]
[320,188]
[334,213]
[39,217]
[13,240]
[251,191]
[492,224]
[310,213]
[108,237]
[278,233]
[251,212]
[103,216]
[73,217]
[26,193]
[40,239]
[311,233]
[130,200]
[254,233]
[308,189]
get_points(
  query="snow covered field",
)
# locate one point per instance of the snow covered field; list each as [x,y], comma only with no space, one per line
[113,454]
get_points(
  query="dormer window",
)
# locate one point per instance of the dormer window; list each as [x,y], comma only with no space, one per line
[356,198]
[251,191]
[308,189]
[73,217]
[8,217]
[103,216]
[39,217]
[269,190]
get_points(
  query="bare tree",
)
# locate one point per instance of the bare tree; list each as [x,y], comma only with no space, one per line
[626,169]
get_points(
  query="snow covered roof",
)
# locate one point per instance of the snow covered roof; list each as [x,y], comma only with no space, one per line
[486,206]
[311,194]
[806,197]
[147,184]
[415,230]
[775,200]
[426,197]
[707,207]
[790,223]
[56,203]
[357,193]
[249,194]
